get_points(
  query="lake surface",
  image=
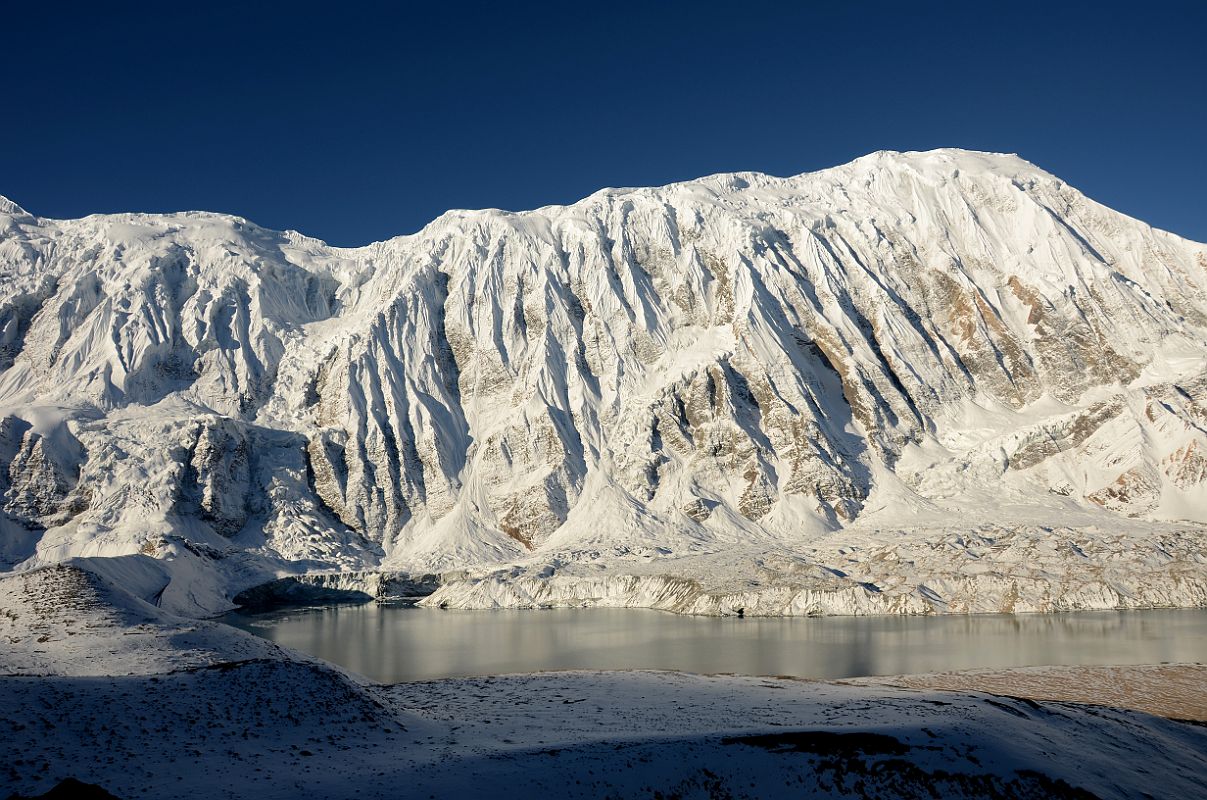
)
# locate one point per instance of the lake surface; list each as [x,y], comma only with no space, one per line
[392,643]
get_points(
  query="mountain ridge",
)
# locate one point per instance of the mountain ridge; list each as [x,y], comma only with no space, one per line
[732,362]
[10,206]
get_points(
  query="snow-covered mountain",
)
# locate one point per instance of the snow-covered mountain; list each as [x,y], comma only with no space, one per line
[930,342]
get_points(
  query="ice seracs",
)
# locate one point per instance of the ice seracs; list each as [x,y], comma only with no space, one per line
[740,364]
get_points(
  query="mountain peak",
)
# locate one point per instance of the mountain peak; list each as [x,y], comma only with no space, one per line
[949,158]
[935,166]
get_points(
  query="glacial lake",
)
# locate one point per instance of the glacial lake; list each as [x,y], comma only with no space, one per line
[393,643]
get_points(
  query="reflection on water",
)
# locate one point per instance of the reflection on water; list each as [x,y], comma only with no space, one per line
[402,643]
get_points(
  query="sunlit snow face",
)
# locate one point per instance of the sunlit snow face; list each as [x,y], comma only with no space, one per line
[743,362]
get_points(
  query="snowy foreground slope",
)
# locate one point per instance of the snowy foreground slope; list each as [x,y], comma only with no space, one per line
[100,686]
[940,381]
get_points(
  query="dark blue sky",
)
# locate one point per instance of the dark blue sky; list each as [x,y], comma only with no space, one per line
[354,123]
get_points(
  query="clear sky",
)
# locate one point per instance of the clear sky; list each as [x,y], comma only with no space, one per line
[355,123]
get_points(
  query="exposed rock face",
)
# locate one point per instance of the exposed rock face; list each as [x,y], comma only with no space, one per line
[1066,434]
[40,482]
[736,358]
[217,476]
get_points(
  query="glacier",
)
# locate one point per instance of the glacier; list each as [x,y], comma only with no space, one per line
[919,382]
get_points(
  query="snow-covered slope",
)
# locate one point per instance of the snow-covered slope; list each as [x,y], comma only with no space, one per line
[913,340]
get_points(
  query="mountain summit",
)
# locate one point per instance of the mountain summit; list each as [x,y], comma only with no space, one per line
[923,340]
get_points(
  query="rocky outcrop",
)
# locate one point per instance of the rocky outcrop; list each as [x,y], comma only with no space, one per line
[217,475]
[39,474]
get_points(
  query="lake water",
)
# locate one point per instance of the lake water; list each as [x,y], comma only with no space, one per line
[392,643]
